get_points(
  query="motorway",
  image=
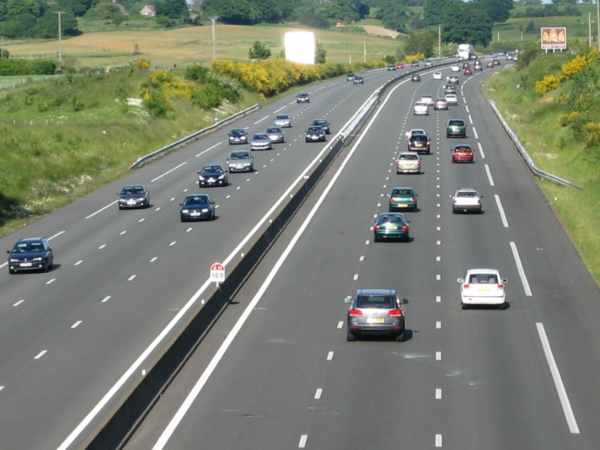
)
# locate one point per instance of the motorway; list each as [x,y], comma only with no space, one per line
[277,373]
[73,341]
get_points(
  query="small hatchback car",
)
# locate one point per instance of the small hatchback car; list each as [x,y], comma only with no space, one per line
[456,128]
[315,134]
[462,153]
[482,287]
[238,136]
[31,254]
[408,162]
[240,161]
[213,175]
[197,207]
[391,226]
[419,143]
[466,200]
[276,135]
[303,97]
[376,312]
[282,121]
[421,109]
[403,198]
[261,141]
[415,77]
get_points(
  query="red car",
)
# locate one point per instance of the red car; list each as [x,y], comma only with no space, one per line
[490,64]
[468,71]
[399,66]
[462,153]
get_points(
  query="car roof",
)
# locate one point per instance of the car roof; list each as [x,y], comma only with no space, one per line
[483,270]
[282,116]
[197,195]
[463,146]
[30,239]
[376,292]
[466,190]
[238,130]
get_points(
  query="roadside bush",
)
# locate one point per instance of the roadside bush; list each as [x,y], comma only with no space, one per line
[572,67]
[26,67]
[548,83]
[415,57]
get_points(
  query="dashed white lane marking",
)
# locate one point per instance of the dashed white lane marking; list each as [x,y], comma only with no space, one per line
[141,220]
[438,277]
[1,387]
[438,440]
[355,277]
[439,228]
[102,246]
[489,175]
[340,325]
[78,262]
[560,387]
[438,325]
[439,242]
[131,278]
[40,354]
[520,269]
[189,229]
[329,356]
[481,150]
[164,174]
[302,442]
[318,394]
[238,188]
[105,299]
[154,259]
[207,150]
[76,324]
[362,258]
[123,232]
[102,209]
[438,394]
[18,303]
[501,210]
[277,110]
[172,199]
[475,133]
[56,235]
[438,356]
[172,243]
[260,120]
[51,281]
[438,298]
[470,119]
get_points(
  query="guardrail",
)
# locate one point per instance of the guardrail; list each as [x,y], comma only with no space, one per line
[525,154]
[186,140]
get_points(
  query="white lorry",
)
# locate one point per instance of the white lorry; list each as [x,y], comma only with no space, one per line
[465,51]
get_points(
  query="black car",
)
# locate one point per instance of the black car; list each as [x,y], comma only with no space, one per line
[315,134]
[391,67]
[415,77]
[414,64]
[322,123]
[350,76]
[213,175]
[197,207]
[376,312]
[358,80]
[419,143]
[303,97]
[134,196]
[238,136]
[31,254]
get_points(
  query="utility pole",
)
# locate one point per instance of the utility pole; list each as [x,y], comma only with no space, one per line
[440,40]
[590,28]
[364,51]
[598,22]
[213,19]
[60,13]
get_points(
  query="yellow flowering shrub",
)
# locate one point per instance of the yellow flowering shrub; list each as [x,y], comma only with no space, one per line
[572,67]
[416,57]
[142,64]
[592,135]
[548,83]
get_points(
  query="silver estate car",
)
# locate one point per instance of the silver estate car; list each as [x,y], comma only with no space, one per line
[465,200]
[282,121]
[376,312]
[276,135]
[261,141]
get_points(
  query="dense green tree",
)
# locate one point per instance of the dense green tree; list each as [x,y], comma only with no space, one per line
[77,7]
[393,14]
[420,41]
[307,15]
[259,51]
[497,10]
[173,9]
[434,10]
[320,54]
[239,12]
[47,26]
[466,23]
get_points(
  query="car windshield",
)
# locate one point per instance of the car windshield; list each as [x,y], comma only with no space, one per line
[282,117]
[402,192]
[458,123]
[375,301]
[408,156]
[238,132]
[212,169]
[483,278]
[315,129]
[239,155]
[302,95]
[196,200]
[391,218]
[28,247]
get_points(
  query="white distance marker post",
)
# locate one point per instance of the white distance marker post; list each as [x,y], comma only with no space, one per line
[217,273]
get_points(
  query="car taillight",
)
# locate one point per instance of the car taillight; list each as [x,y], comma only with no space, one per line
[395,313]
[466,286]
[414,199]
[404,227]
[500,286]
[377,227]
[355,312]
[418,163]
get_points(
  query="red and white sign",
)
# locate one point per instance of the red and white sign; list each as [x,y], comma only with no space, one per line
[554,38]
[217,273]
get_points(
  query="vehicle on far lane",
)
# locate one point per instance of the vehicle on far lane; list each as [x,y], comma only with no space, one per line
[468,71]
[462,153]
[456,128]
[240,161]
[134,196]
[322,123]
[440,103]
[376,312]
[197,207]
[391,226]
[350,77]
[238,136]
[453,79]
[213,175]
[282,121]
[31,254]
[415,77]
[261,141]
[455,68]
[276,135]
[419,143]
[391,67]
[358,80]
[421,109]
[303,97]
[414,132]
[466,200]
[490,64]
[437,75]
[427,99]
[482,287]
[315,134]
[402,198]
[451,99]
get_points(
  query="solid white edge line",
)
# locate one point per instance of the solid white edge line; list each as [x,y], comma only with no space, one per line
[501,210]
[191,397]
[132,370]
[489,175]
[520,269]
[168,172]
[560,387]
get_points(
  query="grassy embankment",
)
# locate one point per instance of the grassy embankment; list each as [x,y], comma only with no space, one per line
[556,149]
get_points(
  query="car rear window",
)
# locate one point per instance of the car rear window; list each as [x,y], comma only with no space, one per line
[456,123]
[482,278]
[408,157]
[402,192]
[462,148]
[374,301]
[419,138]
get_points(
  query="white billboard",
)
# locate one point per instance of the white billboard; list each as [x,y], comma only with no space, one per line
[300,46]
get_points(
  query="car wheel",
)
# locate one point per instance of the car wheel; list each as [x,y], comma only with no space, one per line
[306,140]
[350,337]
[120,208]
[465,306]
[11,272]
[407,238]
[182,219]
[454,211]
[401,337]
[376,238]
[251,169]
[447,135]
[390,209]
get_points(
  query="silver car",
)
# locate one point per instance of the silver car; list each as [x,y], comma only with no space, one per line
[240,161]
[466,200]
[421,109]
[440,103]
[376,312]
[276,135]
[451,99]
[408,162]
[282,121]
[261,141]
[427,99]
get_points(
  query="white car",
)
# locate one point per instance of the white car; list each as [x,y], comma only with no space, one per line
[482,287]
[465,200]
[408,162]
[421,109]
[455,68]
[427,99]
[452,99]
[437,75]
[414,132]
